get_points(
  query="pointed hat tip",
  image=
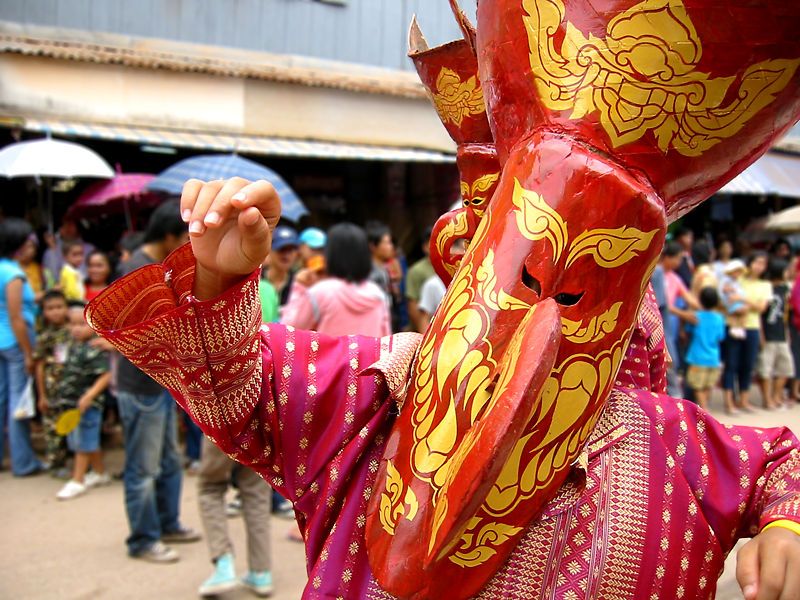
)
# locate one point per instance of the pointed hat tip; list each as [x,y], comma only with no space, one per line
[416,40]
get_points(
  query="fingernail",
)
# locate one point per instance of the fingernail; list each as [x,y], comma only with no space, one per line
[186,215]
[196,227]
[749,591]
[212,218]
[241,196]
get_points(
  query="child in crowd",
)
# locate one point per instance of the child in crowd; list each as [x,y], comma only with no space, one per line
[50,354]
[776,364]
[84,378]
[70,279]
[733,297]
[703,357]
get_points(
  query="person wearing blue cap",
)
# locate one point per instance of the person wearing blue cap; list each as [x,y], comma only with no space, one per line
[277,273]
[312,248]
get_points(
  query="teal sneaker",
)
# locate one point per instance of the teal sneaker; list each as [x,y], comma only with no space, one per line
[223,579]
[260,582]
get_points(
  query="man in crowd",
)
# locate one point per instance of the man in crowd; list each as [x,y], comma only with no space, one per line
[153,473]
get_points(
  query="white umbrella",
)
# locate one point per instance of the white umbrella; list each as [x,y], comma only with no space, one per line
[52,158]
[787,220]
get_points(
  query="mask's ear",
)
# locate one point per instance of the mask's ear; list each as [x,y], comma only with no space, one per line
[683,100]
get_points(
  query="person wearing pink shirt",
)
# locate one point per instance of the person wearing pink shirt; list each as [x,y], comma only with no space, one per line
[345,302]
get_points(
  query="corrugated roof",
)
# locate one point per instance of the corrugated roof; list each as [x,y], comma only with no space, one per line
[68,44]
[228,142]
[774,173]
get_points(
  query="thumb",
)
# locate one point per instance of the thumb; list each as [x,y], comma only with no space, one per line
[747,561]
[256,235]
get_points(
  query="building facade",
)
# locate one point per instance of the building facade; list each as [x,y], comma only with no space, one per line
[319,90]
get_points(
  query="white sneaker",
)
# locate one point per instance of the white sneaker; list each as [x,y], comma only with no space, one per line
[92,479]
[71,489]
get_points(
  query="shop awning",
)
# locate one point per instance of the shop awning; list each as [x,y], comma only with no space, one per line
[772,174]
[244,144]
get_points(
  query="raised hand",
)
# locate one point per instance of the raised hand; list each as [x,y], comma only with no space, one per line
[230,227]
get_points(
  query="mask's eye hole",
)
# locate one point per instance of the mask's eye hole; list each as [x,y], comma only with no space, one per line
[530,282]
[568,299]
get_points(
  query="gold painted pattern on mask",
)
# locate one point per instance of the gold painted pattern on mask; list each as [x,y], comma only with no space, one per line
[593,330]
[464,325]
[643,77]
[462,320]
[457,227]
[537,220]
[449,472]
[610,248]
[508,369]
[477,545]
[455,99]
[494,296]
[566,395]
[394,504]
[470,194]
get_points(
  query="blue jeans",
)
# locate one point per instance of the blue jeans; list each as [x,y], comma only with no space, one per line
[194,437]
[153,473]
[13,380]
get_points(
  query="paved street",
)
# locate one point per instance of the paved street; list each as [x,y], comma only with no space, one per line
[74,550]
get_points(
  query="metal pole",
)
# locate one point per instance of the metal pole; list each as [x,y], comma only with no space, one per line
[48,181]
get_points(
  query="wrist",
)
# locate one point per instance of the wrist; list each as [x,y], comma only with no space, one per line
[209,284]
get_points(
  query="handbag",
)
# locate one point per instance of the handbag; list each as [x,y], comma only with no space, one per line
[25,407]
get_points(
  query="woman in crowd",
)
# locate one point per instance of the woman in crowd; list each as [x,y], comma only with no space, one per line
[345,303]
[724,256]
[17,316]
[98,274]
[26,257]
[704,274]
[741,352]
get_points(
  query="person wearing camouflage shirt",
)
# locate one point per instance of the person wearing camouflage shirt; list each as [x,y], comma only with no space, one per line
[84,364]
[50,354]
[84,379]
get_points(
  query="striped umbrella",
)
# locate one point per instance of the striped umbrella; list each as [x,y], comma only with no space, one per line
[223,166]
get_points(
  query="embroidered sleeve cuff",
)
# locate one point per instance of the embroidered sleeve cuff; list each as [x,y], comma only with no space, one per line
[208,353]
[397,356]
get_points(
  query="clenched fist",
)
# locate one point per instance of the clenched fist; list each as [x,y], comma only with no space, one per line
[768,566]
[230,227]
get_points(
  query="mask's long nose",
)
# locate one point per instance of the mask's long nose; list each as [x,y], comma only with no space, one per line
[406,561]
[519,379]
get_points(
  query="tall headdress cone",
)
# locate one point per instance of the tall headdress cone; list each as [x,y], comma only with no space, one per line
[450,75]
